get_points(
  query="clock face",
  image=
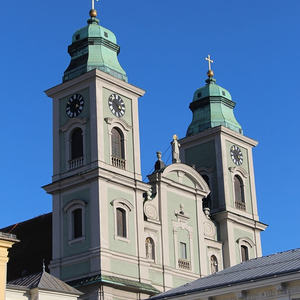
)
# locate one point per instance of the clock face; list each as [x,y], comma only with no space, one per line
[74,106]
[236,155]
[116,105]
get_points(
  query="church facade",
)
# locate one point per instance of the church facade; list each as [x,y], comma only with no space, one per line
[117,237]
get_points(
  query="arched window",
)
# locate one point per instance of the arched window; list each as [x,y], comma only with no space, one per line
[77,223]
[117,148]
[244,252]
[117,143]
[207,201]
[239,193]
[76,144]
[214,264]
[150,250]
[121,222]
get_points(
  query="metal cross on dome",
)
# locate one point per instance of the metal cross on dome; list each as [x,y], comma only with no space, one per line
[93,3]
[210,61]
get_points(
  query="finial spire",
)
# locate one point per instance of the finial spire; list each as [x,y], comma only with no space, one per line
[44,266]
[93,11]
[210,72]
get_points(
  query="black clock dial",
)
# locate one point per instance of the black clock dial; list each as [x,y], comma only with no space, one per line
[236,155]
[116,105]
[74,106]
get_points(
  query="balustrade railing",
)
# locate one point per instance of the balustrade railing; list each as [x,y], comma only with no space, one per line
[240,205]
[118,162]
[75,163]
[184,264]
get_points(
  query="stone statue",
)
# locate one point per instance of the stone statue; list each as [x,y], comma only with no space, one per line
[148,195]
[175,150]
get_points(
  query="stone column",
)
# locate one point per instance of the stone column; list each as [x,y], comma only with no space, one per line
[6,242]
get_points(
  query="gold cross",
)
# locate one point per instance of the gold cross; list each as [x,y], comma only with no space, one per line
[209,61]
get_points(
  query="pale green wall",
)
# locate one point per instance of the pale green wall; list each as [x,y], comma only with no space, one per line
[204,156]
[184,180]
[239,233]
[156,277]
[174,200]
[247,184]
[80,246]
[63,120]
[178,281]
[122,267]
[127,247]
[74,270]
[128,119]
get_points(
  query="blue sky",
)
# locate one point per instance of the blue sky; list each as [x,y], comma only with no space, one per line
[255,46]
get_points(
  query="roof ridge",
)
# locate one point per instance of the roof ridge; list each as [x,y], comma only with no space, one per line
[232,270]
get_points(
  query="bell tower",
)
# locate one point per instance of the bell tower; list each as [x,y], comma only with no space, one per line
[216,147]
[96,167]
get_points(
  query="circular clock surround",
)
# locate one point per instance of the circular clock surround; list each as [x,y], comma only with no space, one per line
[236,155]
[116,105]
[74,106]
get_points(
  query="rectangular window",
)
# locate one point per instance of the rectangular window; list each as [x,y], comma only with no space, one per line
[121,222]
[183,252]
[77,223]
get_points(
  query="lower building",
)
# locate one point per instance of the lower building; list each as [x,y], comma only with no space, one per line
[276,276]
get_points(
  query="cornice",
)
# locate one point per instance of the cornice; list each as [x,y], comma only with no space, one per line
[211,132]
[239,218]
[91,175]
[92,75]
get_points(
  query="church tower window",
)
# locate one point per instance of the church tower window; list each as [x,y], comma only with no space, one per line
[77,223]
[150,250]
[214,264]
[121,223]
[183,250]
[76,148]
[239,193]
[76,143]
[117,148]
[244,253]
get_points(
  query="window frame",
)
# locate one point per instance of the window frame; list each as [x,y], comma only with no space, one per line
[247,242]
[243,175]
[124,128]
[127,207]
[67,130]
[71,143]
[69,209]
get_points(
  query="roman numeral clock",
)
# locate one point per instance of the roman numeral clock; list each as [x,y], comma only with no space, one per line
[116,105]
[74,106]
[236,155]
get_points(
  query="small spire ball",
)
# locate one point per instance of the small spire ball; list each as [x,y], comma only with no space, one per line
[93,13]
[210,73]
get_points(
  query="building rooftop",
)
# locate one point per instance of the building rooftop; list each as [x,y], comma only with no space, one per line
[45,281]
[280,264]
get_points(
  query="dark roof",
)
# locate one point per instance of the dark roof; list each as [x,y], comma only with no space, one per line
[274,265]
[45,281]
[35,246]
[115,281]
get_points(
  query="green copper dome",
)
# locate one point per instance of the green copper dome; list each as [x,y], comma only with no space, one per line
[212,106]
[212,90]
[94,47]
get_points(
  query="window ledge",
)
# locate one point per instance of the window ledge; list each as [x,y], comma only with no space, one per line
[77,240]
[123,239]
